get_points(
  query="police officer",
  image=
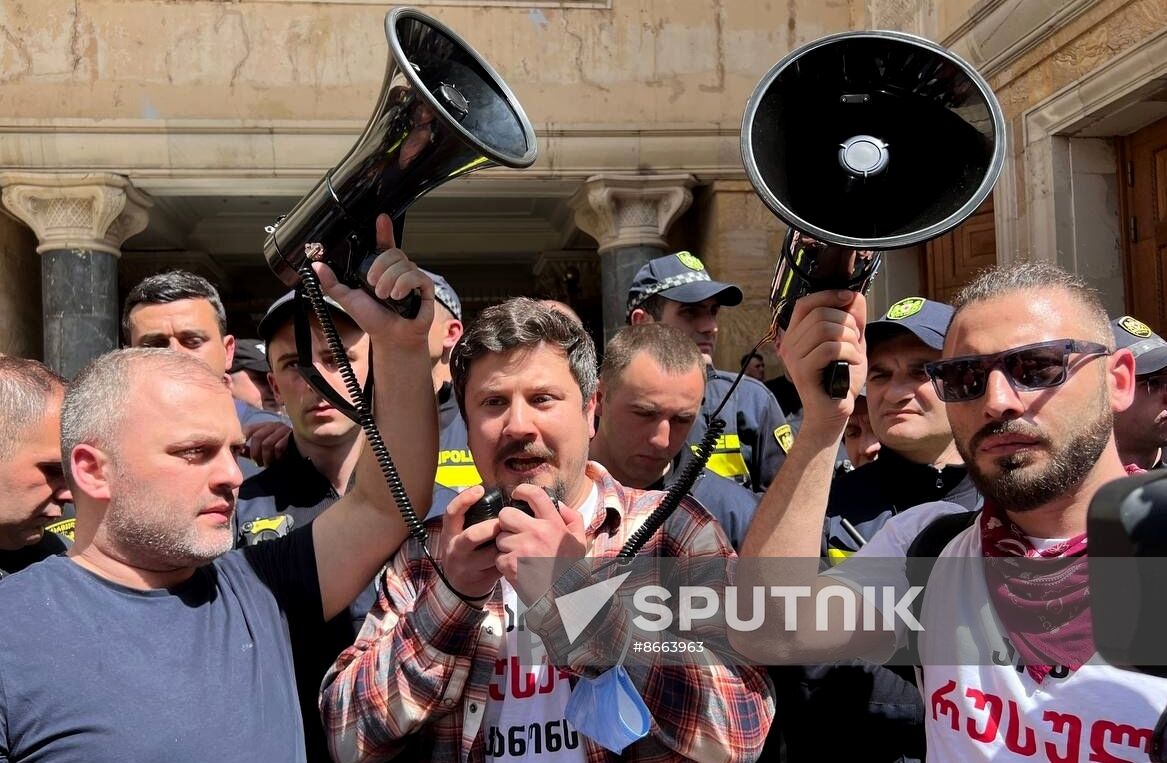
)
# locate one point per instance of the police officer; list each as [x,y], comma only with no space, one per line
[248,373]
[456,470]
[918,463]
[1141,430]
[312,473]
[315,469]
[860,443]
[651,384]
[676,290]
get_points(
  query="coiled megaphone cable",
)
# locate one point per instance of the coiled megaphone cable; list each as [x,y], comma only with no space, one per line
[676,491]
[360,412]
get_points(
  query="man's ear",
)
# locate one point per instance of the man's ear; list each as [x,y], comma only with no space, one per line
[229,348]
[1121,367]
[639,316]
[275,387]
[454,330]
[590,412]
[92,469]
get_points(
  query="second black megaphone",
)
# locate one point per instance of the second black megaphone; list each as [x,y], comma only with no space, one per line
[862,142]
[443,112]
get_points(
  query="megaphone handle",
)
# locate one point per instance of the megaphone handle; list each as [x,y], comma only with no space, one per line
[407,308]
[837,379]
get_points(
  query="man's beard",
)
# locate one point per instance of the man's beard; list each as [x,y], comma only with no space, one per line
[1019,487]
[557,492]
[141,528]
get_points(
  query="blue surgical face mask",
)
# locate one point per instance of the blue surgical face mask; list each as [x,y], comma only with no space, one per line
[608,710]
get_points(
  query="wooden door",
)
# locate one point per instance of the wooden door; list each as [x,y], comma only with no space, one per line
[1143,206]
[952,260]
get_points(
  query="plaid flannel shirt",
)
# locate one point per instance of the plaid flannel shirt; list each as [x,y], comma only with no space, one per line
[419,673]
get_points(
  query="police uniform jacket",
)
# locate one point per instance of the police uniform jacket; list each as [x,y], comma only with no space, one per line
[50,544]
[756,438]
[291,486]
[456,470]
[870,495]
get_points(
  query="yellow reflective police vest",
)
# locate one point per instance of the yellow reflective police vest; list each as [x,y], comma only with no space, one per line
[756,438]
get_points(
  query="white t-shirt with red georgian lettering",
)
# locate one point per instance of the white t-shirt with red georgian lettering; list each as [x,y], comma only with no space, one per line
[524,718]
[985,708]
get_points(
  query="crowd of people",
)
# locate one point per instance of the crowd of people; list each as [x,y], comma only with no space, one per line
[201,557]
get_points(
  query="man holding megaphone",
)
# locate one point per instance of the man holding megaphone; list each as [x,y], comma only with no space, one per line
[1001,632]
[166,644]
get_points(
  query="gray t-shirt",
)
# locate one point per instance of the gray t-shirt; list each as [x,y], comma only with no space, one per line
[94,672]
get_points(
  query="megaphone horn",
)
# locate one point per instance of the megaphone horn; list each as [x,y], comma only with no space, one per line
[443,112]
[862,142]
[873,140]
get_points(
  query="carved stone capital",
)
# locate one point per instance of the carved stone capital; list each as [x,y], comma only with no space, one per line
[95,211]
[631,210]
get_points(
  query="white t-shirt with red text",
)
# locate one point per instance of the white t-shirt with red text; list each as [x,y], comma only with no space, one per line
[986,708]
[524,718]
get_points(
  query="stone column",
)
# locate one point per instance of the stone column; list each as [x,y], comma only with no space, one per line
[629,216]
[81,221]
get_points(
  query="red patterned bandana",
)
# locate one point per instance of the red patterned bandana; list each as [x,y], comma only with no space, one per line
[1041,597]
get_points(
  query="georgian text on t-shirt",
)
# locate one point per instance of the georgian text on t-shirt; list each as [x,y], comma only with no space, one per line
[1061,737]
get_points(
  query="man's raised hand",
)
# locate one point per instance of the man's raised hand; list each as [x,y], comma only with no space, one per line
[392,276]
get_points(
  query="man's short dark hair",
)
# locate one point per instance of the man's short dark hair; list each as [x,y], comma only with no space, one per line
[671,348]
[172,286]
[26,386]
[523,322]
[1033,276]
[654,306]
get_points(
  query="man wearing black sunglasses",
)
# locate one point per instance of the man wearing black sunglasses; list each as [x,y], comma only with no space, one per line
[1141,430]
[1009,665]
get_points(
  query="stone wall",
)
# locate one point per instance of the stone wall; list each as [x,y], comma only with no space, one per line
[738,238]
[639,62]
[207,89]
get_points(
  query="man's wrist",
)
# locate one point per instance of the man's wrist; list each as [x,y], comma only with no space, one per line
[394,341]
[821,434]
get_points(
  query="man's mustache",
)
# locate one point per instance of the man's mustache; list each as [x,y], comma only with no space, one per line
[525,450]
[1012,426]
